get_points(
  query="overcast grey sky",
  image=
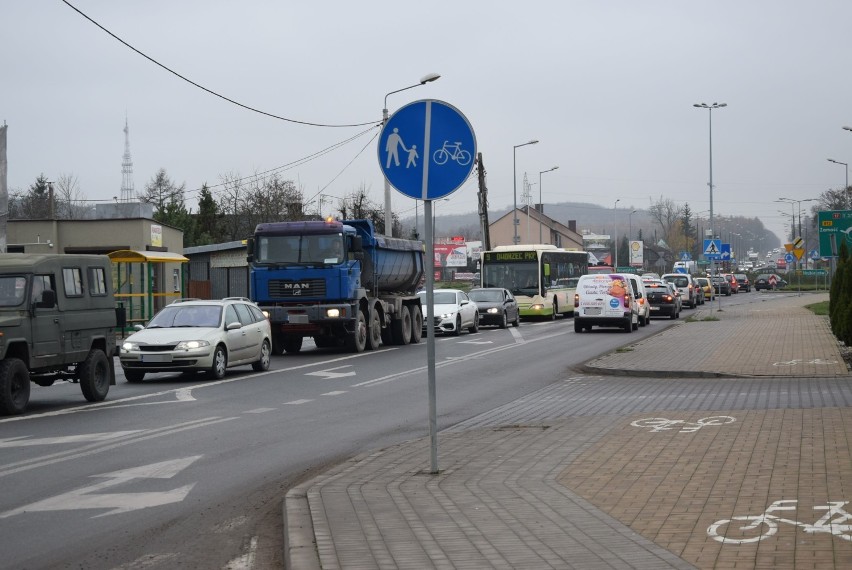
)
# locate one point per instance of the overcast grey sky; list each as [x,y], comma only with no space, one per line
[607,87]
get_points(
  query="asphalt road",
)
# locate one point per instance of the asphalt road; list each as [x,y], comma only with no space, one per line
[180,471]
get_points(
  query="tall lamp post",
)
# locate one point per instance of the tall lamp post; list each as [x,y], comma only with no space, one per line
[615,234]
[845,166]
[388,214]
[540,204]
[799,202]
[516,239]
[630,222]
[710,110]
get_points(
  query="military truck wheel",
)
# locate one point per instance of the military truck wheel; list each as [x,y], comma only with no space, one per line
[416,324]
[14,386]
[93,374]
[265,355]
[134,376]
[357,341]
[402,327]
[374,332]
[220,364]
[292,344]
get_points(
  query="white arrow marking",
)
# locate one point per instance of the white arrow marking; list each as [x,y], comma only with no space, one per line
[118,502]
[83,438]
[328,372]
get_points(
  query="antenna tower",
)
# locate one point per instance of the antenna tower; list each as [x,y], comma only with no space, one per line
[127,193]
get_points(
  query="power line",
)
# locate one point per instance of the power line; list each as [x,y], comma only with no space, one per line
[210,91]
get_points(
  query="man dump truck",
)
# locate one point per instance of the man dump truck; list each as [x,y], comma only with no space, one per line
[336,281]
[57,322]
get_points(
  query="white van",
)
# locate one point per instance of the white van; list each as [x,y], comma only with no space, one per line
[686,286]
[605,300]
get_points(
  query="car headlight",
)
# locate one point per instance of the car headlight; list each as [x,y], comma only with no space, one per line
[191,344]
[493,310]
[449,315]
[332,313]
[537,307]
[128,346]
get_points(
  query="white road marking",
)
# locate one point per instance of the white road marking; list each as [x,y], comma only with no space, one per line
[259,410]
[476,342]
[184,395]
[25,441]
[246,561]
[335,393]
[90,498]
[297,402]
[329,373]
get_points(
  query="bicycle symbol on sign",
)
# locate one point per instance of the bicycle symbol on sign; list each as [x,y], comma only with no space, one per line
[682,426]
[828,524]
[451,151]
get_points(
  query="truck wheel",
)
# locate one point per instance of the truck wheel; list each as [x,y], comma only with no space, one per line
[401,327]
[277,343]
[357,341]
[220,364]
[578,328]
[292,344]
[93,374]
[374,332]
[133,376]
[14,386]
[416,324]
[265,355]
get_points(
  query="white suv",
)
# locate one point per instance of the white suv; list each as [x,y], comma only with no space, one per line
[686,286]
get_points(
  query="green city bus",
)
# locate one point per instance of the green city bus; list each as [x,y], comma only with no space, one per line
[542,277]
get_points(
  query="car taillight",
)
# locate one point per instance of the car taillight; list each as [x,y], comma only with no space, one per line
[576,300]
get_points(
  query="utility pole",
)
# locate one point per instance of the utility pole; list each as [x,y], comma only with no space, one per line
[483,203]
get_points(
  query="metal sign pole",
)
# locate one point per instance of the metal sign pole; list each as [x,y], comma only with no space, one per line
[430,337]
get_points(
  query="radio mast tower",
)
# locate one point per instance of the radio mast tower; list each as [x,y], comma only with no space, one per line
[127,193]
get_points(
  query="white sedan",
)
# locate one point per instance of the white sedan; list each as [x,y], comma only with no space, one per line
[454,311]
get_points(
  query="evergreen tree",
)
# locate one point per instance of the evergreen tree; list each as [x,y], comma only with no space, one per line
[838,294]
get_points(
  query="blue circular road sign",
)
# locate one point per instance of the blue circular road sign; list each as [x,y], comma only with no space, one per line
[427,149]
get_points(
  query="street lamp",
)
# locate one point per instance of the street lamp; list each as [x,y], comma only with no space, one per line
[799,202]
[630,219]
[388,214]
[540,204]
[615,233]
[516,239]
[710,109]
[846,166]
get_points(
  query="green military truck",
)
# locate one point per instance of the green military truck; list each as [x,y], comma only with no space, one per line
[57,322]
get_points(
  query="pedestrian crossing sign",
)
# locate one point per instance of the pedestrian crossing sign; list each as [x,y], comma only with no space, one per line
[713,248]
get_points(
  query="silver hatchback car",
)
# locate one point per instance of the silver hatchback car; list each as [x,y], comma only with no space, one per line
[192,335]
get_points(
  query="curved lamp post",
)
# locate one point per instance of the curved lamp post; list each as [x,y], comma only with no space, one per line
[845,165]
[388,214]
[516,239]
[540,204]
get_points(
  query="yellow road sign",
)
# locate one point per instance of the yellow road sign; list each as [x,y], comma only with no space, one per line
[799,252]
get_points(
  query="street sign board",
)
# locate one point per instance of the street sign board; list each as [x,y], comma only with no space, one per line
[684,256]
[814,254]
[789,258]
[835,227]
[713,248]
[427,149]
[725,252]
[799,252]
[819,272]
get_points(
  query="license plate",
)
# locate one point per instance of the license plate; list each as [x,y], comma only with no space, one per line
[592,311]
[298,319]
[655,308]
[156,358]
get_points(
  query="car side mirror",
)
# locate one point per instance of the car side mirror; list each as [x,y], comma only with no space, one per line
[233,326]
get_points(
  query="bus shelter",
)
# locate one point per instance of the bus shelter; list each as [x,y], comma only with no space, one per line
[145,282]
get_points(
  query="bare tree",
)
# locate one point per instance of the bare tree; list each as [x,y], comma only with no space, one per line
[70,201]
[668,215]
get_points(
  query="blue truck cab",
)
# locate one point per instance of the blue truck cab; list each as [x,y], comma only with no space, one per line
[338,282]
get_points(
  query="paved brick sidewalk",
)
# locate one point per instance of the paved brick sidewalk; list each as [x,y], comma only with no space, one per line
[615,490]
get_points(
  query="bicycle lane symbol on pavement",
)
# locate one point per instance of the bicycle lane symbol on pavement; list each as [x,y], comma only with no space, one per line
[836,521]
[657,425]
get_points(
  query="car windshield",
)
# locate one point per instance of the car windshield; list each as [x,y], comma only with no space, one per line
[12,288]
[442,297]
[702,281]
[678,281]
[173,316]
[487,296]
